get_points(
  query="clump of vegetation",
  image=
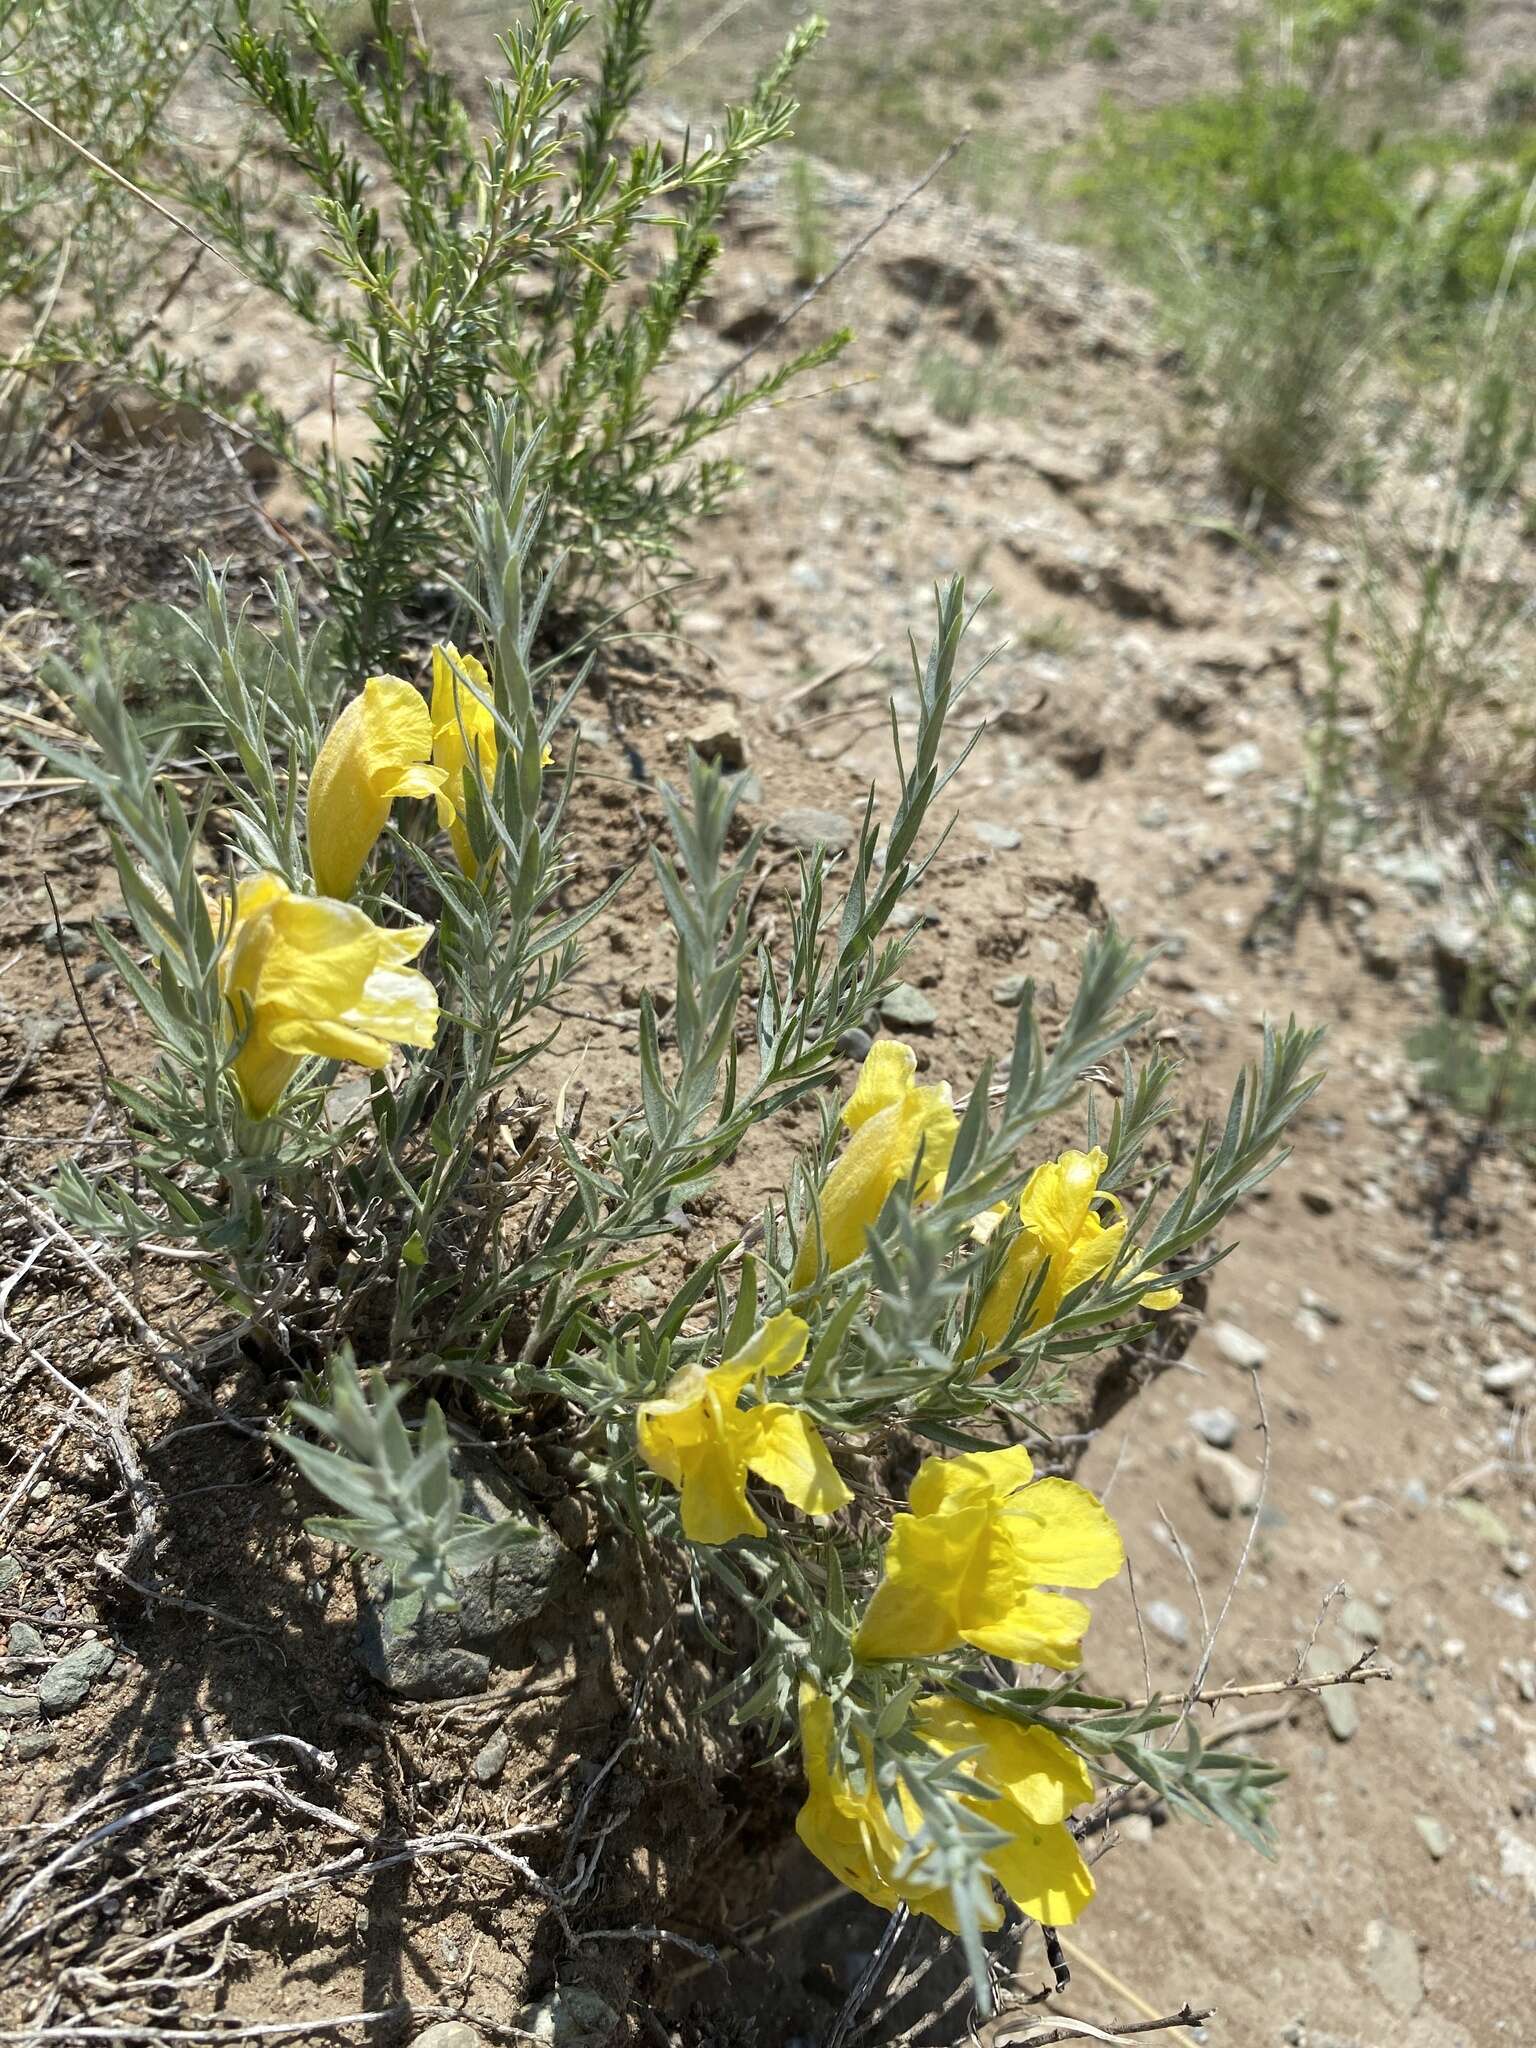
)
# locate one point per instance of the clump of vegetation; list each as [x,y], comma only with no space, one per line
[1295,248]
[962,388]
[810,247]
[924,1279]
[74,245]
[466,258]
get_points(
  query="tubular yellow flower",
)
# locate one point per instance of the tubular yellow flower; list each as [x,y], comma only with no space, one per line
[378,749]
[967,1565]
[304,976]
[1034,1780]
[845,1826]
[698,1436]
[889,1119]
[1064,1235]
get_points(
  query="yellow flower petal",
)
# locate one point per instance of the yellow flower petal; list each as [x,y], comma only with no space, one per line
[713,1494]
[1057,1199]
[891,1121]
[1061,1535]
[974,1478]
[785,1449]
[1033,1767]
[968,1563]
[1041,1869]
[696,1436]
[307,976]
[885,1079]
[1033,1628]
[914,1609]
[377,750]
[1159,1297]
[845,1828]
[463,730]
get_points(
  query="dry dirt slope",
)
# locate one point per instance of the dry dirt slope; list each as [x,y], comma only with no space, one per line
[1144,729]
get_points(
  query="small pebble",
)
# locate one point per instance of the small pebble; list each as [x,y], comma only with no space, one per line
[491,1760]
[1168,1620]
[1507,1375]
[1361,1619]
[1218,1426]
[1004,838]
[1424,1393]
[1432,1834]
[908,1009]
[1341,1710]
[1237,1347]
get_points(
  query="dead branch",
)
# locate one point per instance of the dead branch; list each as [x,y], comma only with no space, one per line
[1079,2030]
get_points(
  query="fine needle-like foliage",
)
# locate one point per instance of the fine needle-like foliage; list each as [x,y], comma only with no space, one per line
[913,1298]
[471,252]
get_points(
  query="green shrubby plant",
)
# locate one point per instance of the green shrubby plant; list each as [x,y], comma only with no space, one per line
[1300,241]
[926,1285]
[74,245]
[466,256]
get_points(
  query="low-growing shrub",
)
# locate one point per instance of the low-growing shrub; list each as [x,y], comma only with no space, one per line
[74,244]
[912,1299]
[467,256]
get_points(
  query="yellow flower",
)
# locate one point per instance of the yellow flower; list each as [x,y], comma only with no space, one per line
[889,1119]
[1035,1781]
[698,1436]
[378,749]
[845,1825]
[1064,1236]
[304,976]
[967,1565]
[463,729]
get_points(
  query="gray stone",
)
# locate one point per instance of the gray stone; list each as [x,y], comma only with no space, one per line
[1433,1834]
[422,1655]
[812,828]
[1341,1710]
[36,1742]
[1318,1200]
[854,1044]
[907,1009]
[25,1641]
[1426,1395]
[1002,838]
[1392,1964]
[66,1684]
[449,2034]
[1360,1618]
[10,1572]
[491,1760]
[18,1706]
[1237,1347]
[1509,1375]
[572,2017]
[1218,1427]
[1169,1621]
[1010,991]
[1227,1485]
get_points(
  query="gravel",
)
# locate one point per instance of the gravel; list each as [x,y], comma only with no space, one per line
[1217,1426]
[1238,1347]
